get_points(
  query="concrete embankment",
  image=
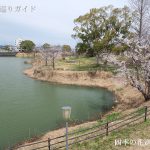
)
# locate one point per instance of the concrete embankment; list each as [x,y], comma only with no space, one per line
[8,54]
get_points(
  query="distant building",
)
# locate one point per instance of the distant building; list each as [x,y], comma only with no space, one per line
[7,48]
[17,44]
[12,48]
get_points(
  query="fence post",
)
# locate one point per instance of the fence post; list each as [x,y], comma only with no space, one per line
[145,117]
[107,128]
[49,144]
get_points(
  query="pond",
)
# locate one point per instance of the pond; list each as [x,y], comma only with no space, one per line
[29,107]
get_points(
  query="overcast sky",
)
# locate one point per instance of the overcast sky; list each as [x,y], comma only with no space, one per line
[50,21]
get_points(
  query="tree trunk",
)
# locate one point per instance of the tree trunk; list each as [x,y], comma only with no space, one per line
[146,97]
[53,63]
[97,59]
[141,20]
[105,62]
[46,62]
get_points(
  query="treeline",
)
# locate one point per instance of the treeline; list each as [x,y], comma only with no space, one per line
[113,31]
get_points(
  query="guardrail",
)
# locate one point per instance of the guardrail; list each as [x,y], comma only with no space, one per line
[96,131]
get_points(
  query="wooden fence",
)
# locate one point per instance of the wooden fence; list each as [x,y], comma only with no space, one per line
[101,130]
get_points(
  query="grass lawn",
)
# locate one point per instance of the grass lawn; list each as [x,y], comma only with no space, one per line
[133,132]
[84,64]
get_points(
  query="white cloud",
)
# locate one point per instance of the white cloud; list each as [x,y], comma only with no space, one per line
[53,17]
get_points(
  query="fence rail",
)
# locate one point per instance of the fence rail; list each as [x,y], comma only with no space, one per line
[89,133]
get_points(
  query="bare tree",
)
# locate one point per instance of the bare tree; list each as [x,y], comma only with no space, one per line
[53,54]
[45,53]
[50,54]
[141,17]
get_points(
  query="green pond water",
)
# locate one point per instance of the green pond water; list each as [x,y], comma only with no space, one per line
[29,107]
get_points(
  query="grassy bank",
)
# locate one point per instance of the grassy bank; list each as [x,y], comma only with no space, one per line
[132,132]
[80,64]
[69,72]
[85,64]
[103,142]
[25,55]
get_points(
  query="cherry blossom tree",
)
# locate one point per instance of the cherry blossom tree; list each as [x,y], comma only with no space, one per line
[137,66]
[50,54]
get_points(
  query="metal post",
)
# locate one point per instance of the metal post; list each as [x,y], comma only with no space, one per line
[29,133]
[67,136]
[107,129]
[49,144]
[145,117]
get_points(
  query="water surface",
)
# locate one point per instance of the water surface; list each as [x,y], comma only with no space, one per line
[29,107]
